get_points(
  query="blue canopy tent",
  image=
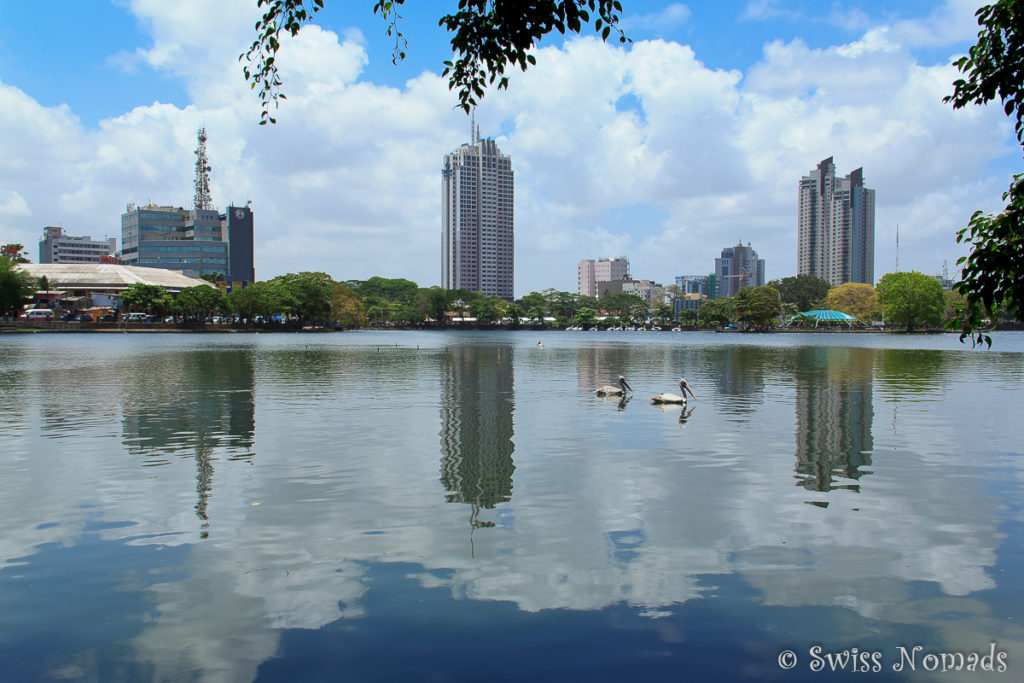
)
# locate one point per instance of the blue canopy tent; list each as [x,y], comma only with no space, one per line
[827,317]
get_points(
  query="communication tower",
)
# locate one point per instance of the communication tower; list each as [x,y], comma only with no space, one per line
[202,198]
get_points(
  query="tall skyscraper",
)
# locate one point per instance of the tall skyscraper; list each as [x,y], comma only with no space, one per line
[836,226]
[477,221]
[738,267]
[590,272]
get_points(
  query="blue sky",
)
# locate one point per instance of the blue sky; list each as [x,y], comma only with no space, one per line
[666,151]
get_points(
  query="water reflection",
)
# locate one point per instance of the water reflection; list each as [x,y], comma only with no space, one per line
[198,405]
[477,405]
[833,417]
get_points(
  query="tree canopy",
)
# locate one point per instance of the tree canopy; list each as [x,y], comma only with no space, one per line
[993,273]
[803,291]
[144,298]
[16,287]
[757,306]
[855,298]
[911,299]
[487,37]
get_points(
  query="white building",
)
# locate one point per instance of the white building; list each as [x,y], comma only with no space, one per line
[477,221]
[836,226]
[591,272]
[58,247]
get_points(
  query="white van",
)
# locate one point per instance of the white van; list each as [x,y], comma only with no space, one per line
[136,318]
[38,314]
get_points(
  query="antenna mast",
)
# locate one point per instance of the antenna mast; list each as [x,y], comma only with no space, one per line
[202,197]
[897,247]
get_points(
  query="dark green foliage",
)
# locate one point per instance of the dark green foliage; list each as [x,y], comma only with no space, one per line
[715,313]
[16,287]
[993,274]
[488,36]
[911,300]
[200,301]
[143,298]
[803,291]
[757,306]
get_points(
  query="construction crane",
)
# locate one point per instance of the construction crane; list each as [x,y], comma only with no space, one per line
[743,275]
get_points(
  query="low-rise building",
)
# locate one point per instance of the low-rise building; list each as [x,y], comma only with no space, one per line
[59,247]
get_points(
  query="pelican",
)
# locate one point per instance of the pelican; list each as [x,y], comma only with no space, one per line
[609,390]
[540,345]
[672,398]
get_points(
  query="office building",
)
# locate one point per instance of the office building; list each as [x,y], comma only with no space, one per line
[477,221]
[836,226]
[694,284]
[591,272]
[58,247]
[195,242]
[738,267]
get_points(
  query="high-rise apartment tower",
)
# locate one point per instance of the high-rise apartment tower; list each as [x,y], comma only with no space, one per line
[477,221]
[836,226]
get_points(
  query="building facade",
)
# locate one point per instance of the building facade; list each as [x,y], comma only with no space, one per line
[478,221]
[58,247]
[648,290]
[836,226]
[195,242]
[738,267]
[591,272]
[694,284]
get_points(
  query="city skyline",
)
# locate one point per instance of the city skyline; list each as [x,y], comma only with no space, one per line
[665,150]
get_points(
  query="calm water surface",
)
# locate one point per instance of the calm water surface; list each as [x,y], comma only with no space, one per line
[460,506]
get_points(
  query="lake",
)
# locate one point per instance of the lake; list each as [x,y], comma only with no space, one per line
[404,506]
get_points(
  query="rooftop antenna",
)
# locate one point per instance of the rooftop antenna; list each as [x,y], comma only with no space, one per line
[472,126]
[202,196]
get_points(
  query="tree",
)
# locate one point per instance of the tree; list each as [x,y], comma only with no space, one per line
[993,273]
[16,287]
[715,312]
[911,299]
[200,301]
[488,35]
[757,306]
[857,299]
[258,299]
[346,309]
[152,299]
[804,291]
[15,252]
[306,295]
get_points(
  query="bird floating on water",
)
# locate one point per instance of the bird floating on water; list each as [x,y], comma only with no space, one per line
[609,390]
[540,345]
[672,398]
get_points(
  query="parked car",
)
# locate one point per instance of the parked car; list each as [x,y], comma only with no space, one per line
[108,318]
[136,318]
[38,314]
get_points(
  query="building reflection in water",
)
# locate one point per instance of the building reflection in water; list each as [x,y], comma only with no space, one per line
[197,405]
[477,403]
[834,414]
